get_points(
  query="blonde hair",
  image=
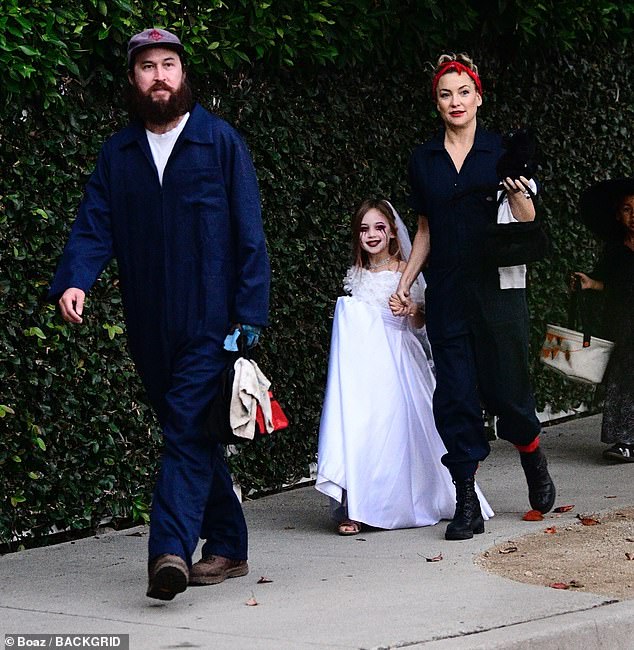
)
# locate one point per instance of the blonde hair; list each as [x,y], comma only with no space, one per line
[463,58]
[456,63]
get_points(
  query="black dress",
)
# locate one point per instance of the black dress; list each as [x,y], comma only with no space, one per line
[616,269]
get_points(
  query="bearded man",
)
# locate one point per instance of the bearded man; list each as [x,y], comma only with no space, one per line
[174,199]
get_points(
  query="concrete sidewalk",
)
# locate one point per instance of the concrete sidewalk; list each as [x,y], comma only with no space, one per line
[372,591]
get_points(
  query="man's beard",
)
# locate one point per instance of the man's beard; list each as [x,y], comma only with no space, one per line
[159,113]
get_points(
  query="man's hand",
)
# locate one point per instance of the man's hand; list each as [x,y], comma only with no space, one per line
[251,335]
[71,305]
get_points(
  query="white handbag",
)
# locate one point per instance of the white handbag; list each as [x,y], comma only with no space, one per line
[579,358]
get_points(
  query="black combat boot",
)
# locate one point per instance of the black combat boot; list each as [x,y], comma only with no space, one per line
[467,519]
[541,489]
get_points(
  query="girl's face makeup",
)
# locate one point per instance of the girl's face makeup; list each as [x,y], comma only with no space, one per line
[625,213]
[457,99]
[375,234]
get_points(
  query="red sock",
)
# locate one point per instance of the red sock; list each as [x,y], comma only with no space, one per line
[528,448]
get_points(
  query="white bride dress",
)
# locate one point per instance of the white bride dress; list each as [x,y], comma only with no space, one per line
[379,450]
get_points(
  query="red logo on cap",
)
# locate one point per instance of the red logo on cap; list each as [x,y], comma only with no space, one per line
[155,35]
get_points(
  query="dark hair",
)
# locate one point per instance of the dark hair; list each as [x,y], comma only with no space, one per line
[359,256]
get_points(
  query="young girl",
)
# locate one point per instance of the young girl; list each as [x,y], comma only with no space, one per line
[379,451]
[615,276]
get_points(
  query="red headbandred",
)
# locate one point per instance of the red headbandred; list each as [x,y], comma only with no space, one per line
[456,66]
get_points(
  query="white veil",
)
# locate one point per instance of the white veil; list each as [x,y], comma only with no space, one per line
[404,241]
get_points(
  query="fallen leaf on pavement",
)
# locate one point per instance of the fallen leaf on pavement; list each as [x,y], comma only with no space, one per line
[629,556]
[588,521]
[551,530]
[563,509]
[533,515]
[438,558]
[559,585]
[264,580]
[252,602]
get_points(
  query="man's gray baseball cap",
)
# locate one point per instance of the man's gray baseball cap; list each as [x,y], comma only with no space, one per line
[154,37]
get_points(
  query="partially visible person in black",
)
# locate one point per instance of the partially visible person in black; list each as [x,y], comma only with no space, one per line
[614,275]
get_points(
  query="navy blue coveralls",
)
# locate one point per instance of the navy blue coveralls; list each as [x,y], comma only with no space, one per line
[192,261]
[478,332]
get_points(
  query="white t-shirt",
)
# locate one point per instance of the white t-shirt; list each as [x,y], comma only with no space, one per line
[512,277]
[161,145]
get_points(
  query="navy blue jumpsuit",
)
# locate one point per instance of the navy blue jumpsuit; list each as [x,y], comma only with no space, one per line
[478,332]
[192,261]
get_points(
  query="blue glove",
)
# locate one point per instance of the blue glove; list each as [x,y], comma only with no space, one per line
[250,332]
[231,341]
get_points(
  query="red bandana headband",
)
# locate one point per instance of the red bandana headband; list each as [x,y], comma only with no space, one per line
[456,66]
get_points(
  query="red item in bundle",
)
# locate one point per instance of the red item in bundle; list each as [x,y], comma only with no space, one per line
[280,421]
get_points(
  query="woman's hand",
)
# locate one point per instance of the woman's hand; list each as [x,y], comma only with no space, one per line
[400,306]
[515,186]
[585,281]
[520,198]
[402,291]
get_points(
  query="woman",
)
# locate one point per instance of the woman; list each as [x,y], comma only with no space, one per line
[477,329]
[614,276]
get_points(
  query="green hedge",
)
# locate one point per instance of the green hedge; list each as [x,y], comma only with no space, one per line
[78,443]
[45,44]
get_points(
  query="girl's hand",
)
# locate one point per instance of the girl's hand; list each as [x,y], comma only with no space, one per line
[407,308]
[585,281]
[398,306]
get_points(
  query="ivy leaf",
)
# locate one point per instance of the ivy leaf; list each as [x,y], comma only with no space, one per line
[4,409]
[27,50]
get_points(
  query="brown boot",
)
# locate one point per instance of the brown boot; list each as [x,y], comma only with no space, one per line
[168,576]
[213,569]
